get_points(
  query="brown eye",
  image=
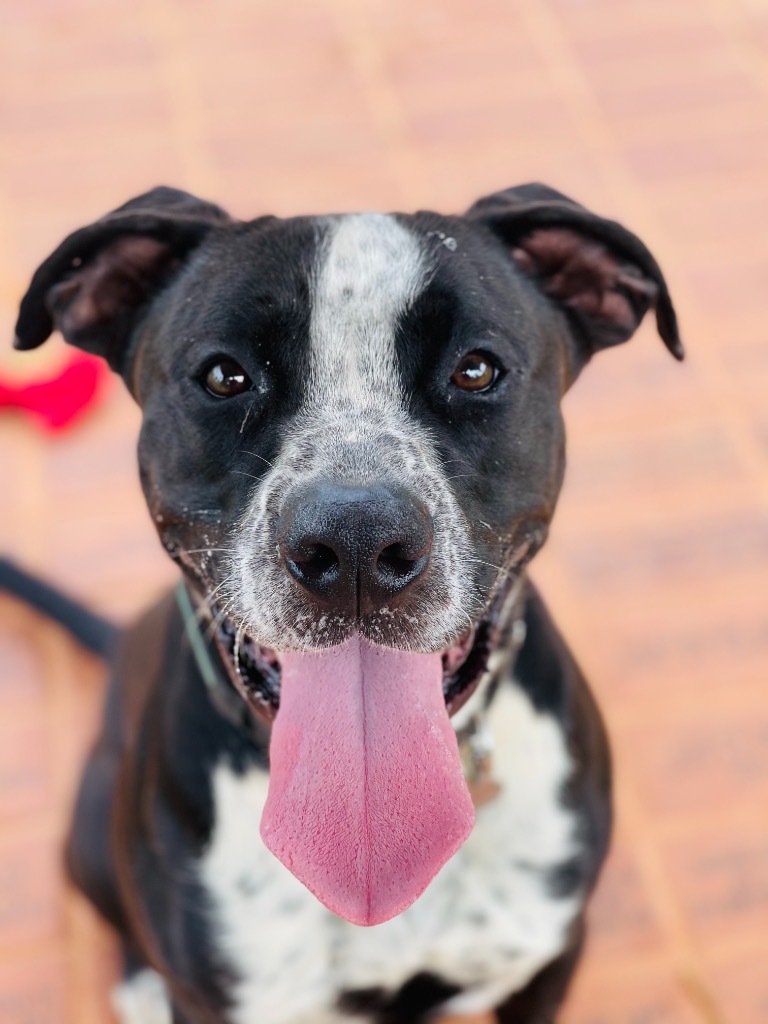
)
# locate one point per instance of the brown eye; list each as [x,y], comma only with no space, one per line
[226,378]
[476,372]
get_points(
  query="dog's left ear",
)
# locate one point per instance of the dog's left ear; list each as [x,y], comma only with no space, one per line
[96,285]
[598,272]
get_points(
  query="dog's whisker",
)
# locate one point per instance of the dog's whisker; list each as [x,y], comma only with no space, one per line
[206,605]
[248,412]
[245,451]
[461,462]
[507,572]
[206,551]
[241,472]
[218,619]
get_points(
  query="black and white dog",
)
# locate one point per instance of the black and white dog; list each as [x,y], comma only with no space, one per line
[355,710]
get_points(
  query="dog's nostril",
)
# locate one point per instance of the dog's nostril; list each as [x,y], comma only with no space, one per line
[396,561]
[316,561]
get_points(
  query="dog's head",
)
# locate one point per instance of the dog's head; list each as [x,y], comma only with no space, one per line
[351,428]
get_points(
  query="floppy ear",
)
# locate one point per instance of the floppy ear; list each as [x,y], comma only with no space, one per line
[94,287]
[598,272]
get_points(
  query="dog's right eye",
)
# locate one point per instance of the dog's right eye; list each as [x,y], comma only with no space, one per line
[476,372]
[225,378]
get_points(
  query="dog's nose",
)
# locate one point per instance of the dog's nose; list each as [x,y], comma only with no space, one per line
[356,549]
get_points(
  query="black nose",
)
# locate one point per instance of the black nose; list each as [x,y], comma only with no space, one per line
[355,548]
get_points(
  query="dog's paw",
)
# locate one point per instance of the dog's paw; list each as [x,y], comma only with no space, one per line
[142,999]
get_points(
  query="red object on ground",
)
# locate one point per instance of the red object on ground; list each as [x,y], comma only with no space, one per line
[62,398]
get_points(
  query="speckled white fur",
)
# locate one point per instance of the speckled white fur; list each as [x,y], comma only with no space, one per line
[354,425]
[488,921]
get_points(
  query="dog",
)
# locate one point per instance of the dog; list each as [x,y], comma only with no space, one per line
[349,770]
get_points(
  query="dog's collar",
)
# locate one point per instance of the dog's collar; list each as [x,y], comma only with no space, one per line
[222,694]
[475,739]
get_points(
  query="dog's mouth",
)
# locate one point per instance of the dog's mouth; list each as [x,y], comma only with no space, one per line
[256,670]
[367,797]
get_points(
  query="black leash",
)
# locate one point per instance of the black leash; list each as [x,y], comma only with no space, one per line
[95,633]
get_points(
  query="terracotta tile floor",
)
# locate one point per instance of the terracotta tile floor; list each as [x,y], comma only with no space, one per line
[654,112]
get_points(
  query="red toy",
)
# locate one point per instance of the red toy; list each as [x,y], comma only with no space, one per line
[60,399]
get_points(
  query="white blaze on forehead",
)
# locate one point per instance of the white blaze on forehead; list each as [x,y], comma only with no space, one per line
[370,269]
[354,426]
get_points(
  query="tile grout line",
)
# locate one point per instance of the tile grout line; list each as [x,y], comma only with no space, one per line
[58,703]
[30,491]
[366,59]
[730,16]
[556,51]
[187,128]
[548,35]
[10,279]
[85,945]
[686,961]
[666,127]
[180,84]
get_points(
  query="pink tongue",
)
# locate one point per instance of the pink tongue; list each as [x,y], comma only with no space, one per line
[367,799]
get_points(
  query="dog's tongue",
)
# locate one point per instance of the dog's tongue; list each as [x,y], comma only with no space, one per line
[367,799]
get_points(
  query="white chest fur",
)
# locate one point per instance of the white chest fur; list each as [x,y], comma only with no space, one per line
[487,922]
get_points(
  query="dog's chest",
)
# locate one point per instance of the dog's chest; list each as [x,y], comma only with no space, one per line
[487,923]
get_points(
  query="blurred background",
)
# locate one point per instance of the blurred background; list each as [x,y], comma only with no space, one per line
[653,112]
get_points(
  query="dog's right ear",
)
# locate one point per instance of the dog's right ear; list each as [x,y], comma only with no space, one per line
[94,287]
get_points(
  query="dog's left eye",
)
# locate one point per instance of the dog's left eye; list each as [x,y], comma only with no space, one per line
[225,378]
[476,371]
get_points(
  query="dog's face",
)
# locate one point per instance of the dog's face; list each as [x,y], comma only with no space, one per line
[351,424]
[358,421]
